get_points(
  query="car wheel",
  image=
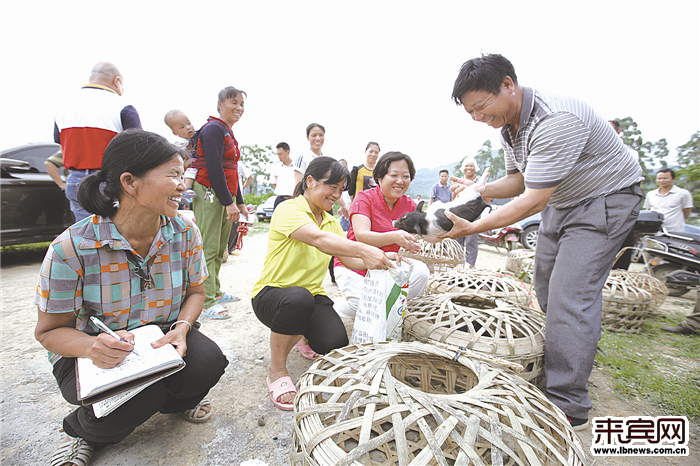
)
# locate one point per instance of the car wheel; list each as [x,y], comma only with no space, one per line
[663,270]
[529,236]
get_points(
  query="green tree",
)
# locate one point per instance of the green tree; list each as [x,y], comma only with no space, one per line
[651,154]
[632,137]
[659,152]
[485,158]
[689,153]
[258,159]
[689,167]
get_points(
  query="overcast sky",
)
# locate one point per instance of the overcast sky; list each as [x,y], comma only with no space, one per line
[375,70]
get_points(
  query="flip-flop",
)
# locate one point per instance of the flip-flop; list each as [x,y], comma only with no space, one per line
[306,350]
[192,415]
[75,450]
[227,298]
[278,388]
[215,312]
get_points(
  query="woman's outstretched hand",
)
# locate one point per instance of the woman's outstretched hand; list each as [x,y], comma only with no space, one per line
[375,258]
[407,240]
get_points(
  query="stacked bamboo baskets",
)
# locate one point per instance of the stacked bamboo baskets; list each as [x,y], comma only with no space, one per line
[483,324]
[521,261]
[645,282]
[484,282]
[399,403]
[625,306]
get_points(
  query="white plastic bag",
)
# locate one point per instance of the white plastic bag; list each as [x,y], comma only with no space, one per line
[382,305]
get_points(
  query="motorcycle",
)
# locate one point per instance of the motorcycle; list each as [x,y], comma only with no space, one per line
[506,237]
[668,253]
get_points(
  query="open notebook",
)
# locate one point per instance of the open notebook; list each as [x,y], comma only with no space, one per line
[95,384]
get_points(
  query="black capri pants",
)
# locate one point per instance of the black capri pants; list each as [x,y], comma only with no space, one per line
[295,311]
[205,364]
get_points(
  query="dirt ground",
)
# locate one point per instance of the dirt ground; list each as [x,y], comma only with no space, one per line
[32,407]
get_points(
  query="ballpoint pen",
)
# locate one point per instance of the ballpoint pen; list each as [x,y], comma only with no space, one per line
[108,331]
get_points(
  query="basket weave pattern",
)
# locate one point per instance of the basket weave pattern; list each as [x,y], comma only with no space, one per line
[439,257]
[395,403]
[484,282]
[483,324]
[521,260]
[625,307]
[646,282]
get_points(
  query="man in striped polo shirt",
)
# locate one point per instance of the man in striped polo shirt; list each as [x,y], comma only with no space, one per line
[568,163]
[86,125]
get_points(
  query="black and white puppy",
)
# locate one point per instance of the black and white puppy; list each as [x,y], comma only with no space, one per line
[432,223]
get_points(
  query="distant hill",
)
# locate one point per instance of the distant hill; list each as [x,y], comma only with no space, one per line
[426,178]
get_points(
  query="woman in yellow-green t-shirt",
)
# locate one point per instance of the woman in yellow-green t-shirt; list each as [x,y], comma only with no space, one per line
[289,297]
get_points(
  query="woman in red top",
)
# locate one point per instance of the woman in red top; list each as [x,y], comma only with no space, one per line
[219,201]
[372,215]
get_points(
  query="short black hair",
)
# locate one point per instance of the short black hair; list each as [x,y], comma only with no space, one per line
[283,145]
[485,73]
[382,167]
[668,170]
[444,171]
[134,151]
[372,143]
[323,168]
[312,126]
[615,124]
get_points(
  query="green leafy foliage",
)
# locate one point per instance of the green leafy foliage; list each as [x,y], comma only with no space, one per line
[486,157]
[689,167]
[652,156]
[258,159]
[255,199]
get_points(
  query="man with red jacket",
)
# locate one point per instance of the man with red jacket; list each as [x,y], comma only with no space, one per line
[87,124]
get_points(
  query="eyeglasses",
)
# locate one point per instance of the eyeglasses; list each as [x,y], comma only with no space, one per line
[143,274]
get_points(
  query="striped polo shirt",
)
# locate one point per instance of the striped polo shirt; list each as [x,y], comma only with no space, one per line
[563,143]
[86,271]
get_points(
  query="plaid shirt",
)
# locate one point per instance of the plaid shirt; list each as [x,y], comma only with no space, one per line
[86,271]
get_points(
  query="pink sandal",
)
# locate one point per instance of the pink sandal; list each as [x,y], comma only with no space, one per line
[278,388]
[306,350]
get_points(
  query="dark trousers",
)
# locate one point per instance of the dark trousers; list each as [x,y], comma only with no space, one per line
[576,248]
[205,364]
[233,238]
[295,311]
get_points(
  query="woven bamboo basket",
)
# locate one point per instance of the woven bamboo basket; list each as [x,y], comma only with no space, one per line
[483,324]
[646,282]
[484,282]
[625,307]
[521,260]
[439,257]
[399,403]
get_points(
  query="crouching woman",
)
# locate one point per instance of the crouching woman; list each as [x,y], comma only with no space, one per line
[134,262]
[289,297]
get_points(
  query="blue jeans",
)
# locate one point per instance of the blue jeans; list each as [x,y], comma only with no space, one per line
[72,184]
